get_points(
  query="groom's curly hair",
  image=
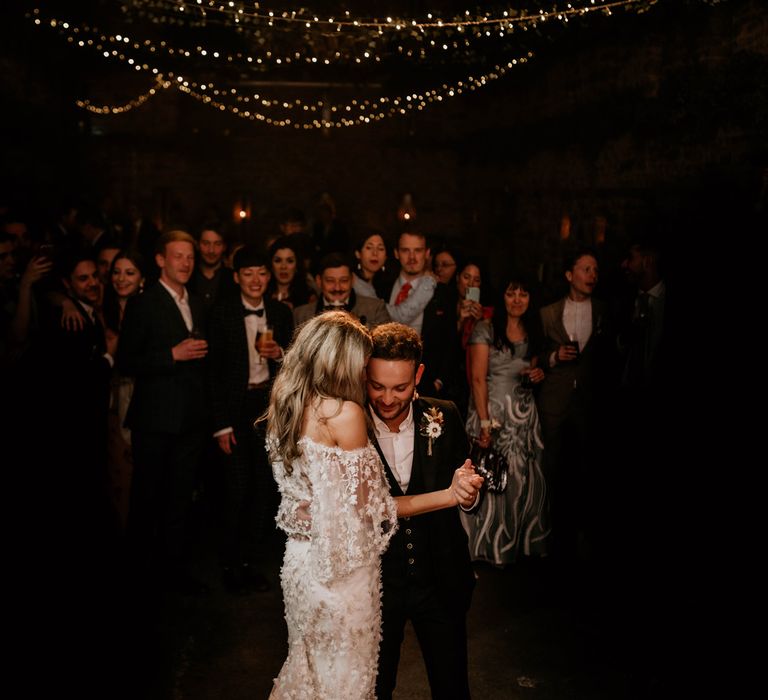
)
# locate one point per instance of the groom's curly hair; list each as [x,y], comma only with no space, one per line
[396,341]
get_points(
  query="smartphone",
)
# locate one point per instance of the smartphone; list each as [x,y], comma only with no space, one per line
[46,250]
[473,294]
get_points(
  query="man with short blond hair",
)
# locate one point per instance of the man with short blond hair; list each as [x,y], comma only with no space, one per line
[161,346]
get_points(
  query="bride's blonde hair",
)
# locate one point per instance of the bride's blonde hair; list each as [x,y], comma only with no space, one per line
[325,360]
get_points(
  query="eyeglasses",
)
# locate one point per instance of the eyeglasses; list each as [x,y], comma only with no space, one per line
[440,265]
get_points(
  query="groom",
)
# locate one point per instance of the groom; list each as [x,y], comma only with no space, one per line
[426,572]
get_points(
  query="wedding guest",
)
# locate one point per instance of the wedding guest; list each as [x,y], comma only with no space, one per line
[435,323]
[104,256]
[19,312]
[293,224]
[502,414]
[126,280]
[242,367]
[576,359]
[329,233]
[78,366]
[160,346]
[445,263]
[288,282]
[472,305]
[643,334]
[211,279]
[334,280]
[371,278]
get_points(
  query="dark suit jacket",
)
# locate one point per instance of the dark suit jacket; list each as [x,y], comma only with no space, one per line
[168,396]
[80,371]
[587,373]
[228,362]
[451,568]
[438,333]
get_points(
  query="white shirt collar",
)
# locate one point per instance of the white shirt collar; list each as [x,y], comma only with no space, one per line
[88,309]
[335,303]
[658,290]
[178,298]
[251,306]
[382,428]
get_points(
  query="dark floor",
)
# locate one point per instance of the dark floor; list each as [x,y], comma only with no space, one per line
[592,629]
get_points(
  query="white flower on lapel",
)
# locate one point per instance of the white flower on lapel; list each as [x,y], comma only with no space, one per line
[432,426]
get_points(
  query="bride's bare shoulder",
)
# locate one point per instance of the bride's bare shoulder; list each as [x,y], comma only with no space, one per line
[348,427]
[337,423]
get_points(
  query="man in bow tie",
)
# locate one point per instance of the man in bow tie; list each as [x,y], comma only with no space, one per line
[242,367]
[334,280]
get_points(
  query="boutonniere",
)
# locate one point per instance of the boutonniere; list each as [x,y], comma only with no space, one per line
[432,426]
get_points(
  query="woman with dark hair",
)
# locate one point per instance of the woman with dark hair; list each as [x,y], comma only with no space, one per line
[288,282]
[126,279]
[445,263]
[371,278]
[473,302]
[502,413]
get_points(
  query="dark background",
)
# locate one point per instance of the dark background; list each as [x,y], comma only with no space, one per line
[628,124]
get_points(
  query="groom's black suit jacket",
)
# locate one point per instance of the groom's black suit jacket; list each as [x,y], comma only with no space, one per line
[439,556]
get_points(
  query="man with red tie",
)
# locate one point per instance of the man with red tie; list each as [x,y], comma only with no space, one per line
[435,322]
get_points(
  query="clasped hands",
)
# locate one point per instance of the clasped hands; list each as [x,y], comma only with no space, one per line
[466,484]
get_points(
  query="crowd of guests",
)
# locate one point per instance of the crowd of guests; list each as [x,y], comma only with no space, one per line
[150,356]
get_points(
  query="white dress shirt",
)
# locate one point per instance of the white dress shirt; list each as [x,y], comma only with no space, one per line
[258,372]
[397,448]
[182,302]
[577,319]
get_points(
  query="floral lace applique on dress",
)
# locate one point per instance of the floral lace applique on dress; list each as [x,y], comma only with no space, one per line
[331,571]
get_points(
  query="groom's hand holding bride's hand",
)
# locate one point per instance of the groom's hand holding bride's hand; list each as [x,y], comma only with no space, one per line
[466,484]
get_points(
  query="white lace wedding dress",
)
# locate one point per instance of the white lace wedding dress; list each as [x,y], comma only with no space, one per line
[331,571]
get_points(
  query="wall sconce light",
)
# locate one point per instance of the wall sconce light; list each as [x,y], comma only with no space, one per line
[406,211]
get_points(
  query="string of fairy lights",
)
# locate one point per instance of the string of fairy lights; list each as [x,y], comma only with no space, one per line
[239,12]
[160,84]
[305,53]
[142,54]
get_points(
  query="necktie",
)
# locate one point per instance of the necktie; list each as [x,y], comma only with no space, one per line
[402,295]
[248,312]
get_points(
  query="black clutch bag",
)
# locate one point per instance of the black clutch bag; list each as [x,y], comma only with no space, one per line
[492,465]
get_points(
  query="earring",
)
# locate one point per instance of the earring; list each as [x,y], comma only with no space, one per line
[359,267]
[383,268]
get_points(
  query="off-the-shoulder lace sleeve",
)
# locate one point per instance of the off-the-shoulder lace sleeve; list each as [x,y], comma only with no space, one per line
[353,514]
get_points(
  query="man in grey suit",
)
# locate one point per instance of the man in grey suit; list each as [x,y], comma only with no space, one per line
[334,279]
[575,359]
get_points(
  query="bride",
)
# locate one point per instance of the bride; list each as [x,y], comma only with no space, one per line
[318,441]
